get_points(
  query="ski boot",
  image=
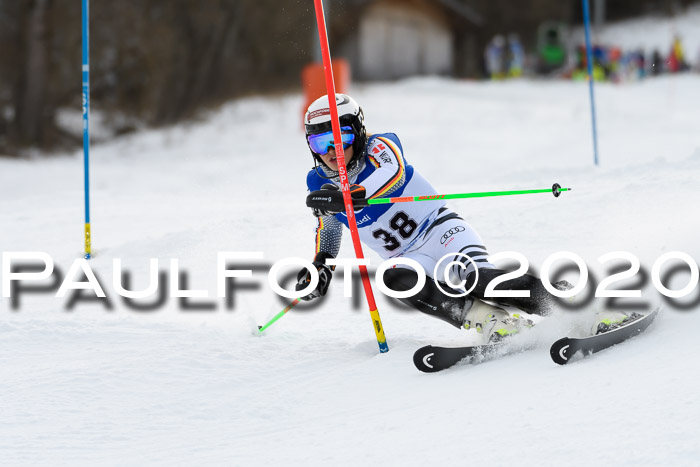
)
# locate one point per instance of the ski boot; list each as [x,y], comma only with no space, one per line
[607,320]
[493,321]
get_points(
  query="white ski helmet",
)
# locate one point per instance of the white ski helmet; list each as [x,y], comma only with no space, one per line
[318,120]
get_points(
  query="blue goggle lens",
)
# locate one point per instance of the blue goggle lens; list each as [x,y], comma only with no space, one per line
[322,142]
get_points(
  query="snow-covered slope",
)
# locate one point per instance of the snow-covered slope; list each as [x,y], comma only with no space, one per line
[182,387]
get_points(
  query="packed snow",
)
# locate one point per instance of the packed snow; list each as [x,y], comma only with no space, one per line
[178,387]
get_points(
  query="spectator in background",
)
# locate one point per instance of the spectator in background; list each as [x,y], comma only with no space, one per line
[601,69]
[628,67]
[613,62]
[516,56]
[580,72]
[641,64]
[495,57]
[676,60]
[632,66]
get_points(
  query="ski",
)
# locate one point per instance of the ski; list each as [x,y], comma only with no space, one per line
[564,349]
[431,359]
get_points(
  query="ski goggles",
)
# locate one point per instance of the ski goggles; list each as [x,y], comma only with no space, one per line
[322,142]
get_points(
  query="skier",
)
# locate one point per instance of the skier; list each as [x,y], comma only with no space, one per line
[421,231]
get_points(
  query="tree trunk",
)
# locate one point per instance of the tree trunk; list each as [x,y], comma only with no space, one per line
[30,103]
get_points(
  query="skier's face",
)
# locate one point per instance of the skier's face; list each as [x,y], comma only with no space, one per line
[332,162]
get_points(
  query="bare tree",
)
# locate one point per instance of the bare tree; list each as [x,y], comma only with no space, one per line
[30,99]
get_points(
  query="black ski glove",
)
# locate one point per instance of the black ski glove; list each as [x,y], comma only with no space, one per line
[329,199]
[325,274]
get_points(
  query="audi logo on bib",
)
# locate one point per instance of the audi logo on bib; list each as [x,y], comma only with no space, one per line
[450,233]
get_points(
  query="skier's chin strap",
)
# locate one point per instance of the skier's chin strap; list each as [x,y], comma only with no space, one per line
[322,173]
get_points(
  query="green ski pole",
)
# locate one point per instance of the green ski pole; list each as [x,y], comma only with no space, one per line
[556,190]
[279,315]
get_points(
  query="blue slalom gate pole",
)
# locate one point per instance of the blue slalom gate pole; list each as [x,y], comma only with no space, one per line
[589,61]
[86,123]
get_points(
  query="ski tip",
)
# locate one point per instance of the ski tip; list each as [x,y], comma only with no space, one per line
[422,359]
[559,351]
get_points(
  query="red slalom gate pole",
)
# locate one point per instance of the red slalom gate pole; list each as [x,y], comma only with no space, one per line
[342,171]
